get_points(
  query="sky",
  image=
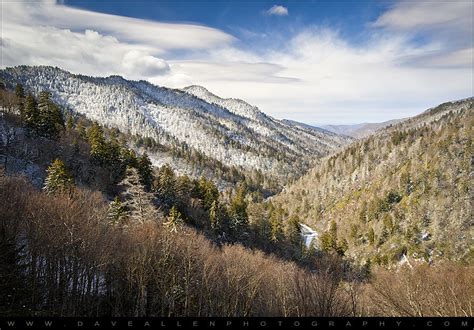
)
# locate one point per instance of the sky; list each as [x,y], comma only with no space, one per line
[317,62]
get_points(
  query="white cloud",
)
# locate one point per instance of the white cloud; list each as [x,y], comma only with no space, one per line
[143,64]
[408,15]
[449,24]
[277,11]
[316,76]
[45,33]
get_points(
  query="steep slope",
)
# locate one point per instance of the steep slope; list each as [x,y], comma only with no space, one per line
[359,131]
[297,137]
[406,190]
[230,132]
[309,127]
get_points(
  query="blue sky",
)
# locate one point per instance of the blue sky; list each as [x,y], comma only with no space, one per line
[311,61]
[246,19]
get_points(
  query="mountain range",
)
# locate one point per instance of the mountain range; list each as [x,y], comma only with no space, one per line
[230,132]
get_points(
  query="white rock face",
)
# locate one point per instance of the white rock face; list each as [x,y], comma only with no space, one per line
[228,130]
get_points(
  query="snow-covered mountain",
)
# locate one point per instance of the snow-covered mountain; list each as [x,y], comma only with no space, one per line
[230,131]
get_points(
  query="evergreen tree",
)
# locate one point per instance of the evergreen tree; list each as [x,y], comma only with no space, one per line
[69,122]
[211,194]
[113,160]
[81,130]
[214,217]
[259,218]
[293,230]
[96,139]
[329,238]
[276,225]
[129,157]
[20,94]
[174,220]
[326,242]
[20,91]
[116,211]
[238,211]
[208,192]
[58,178]
[184,187]
[137,202]
[30,113]
[145,171]
[51,120]
[166,185]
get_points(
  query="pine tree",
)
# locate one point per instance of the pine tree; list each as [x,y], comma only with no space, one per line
[333,234]
[167,185]
[145,171]
[58,178]
[211,195]
[30,113]
[174,220]
[113,160]
[329,238]
[20,91]
[116,211]
[137,202]
[184,187]
[259,218]
[214,217]
[326,242]
[293,229]
[20,94]
[128,157]
[96,138]
[69,122]
[208,192]
[276,225]
[238,211]
[51,120]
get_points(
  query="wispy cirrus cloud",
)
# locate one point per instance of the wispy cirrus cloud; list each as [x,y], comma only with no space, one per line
[448,26]
[277,10]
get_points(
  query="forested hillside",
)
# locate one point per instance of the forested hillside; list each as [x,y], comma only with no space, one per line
[197,133]
[88,227]
[406,190]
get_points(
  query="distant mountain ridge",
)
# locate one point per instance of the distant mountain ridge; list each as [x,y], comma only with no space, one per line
[228,130]
[361,130]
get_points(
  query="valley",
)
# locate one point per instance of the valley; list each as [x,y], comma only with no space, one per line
[149,201]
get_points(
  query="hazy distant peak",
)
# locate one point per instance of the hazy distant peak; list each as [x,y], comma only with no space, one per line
[360,130]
